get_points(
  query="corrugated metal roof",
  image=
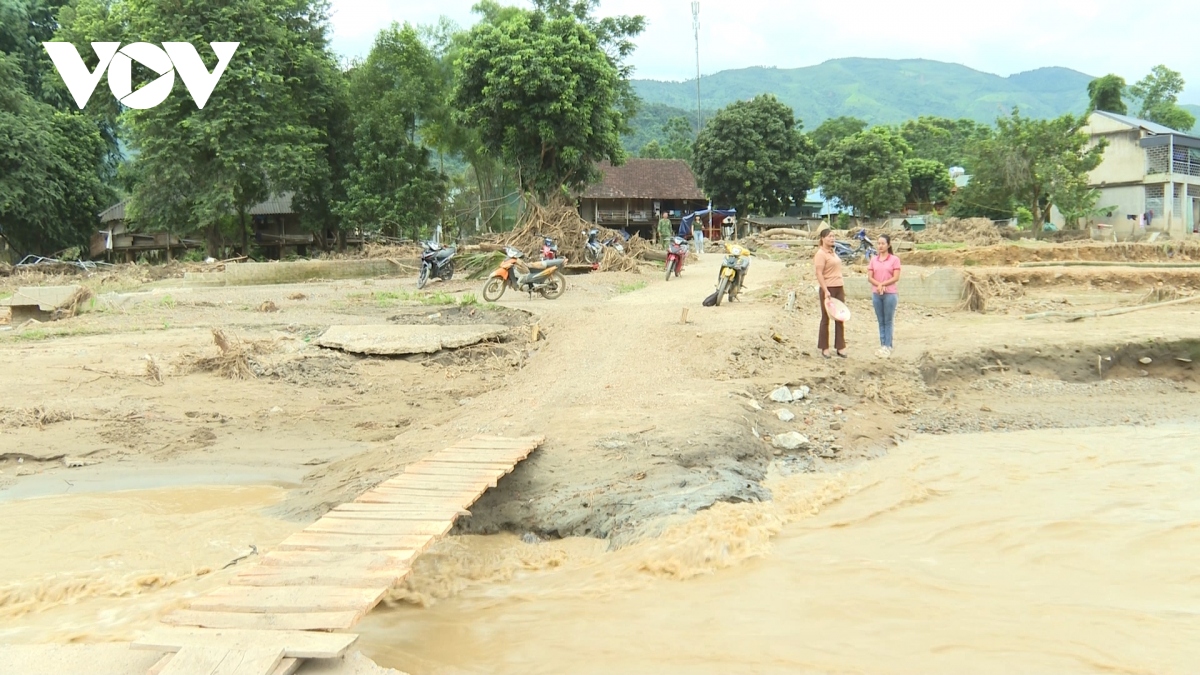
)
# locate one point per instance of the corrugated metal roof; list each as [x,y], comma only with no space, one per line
[114,212]
[646,179]
[1152,127]
[275,205]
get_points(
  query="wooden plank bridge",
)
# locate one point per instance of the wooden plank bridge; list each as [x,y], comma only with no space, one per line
[327,576]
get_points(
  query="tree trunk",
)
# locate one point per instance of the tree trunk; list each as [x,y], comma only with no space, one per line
[213,243]
[245,231]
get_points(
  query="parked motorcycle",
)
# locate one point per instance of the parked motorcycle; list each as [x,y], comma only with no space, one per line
[545,278]
[733,272]
[849,253]
[436,261]
[593,250]
[676,254]
[549,249]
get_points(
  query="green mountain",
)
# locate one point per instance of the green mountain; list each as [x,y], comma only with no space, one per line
[880,91]
[883,91]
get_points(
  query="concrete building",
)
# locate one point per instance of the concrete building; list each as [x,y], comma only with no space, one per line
[1147,168]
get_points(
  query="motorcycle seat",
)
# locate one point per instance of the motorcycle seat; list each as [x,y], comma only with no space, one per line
[553,262]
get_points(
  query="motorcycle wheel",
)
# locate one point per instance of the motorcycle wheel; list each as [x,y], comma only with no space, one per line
[670,268]
[447,271]
[554,289]
[423,276]
[590,256]
[722,289]
[493,289]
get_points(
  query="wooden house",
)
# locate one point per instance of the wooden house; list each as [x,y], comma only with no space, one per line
[630,196]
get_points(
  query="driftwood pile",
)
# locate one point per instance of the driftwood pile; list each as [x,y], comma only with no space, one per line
[563,224]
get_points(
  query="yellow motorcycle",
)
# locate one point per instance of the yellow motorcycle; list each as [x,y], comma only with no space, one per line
[733,272]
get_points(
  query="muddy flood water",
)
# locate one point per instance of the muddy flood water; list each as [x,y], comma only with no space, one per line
[1039,552]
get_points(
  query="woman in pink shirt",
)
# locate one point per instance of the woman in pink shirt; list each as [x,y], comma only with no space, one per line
[883,272]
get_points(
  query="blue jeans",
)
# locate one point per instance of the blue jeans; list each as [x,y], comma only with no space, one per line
[885,312]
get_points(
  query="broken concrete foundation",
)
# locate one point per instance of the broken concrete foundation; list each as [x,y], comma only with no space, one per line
[940,287]
[402,340]
[43,303]
[252,274]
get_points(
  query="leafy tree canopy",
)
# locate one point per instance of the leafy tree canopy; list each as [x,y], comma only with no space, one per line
[866,172]
[677,144]
[1159,95]
[1105,93]
[752,156]
[950,142]
[835,129]
[544,94]
[1040,163]
[929,181]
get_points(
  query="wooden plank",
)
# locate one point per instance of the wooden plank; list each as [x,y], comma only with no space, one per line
[294,576]
[536,440]
[296,621]
[398,509]
[322,541]
[295,644]
[459,473]
[450,514]
[222,661]
[410,499]
[370,561]
[287,600]
[288,666]
[434,485]
[465,464]
[158,666]
[434,528]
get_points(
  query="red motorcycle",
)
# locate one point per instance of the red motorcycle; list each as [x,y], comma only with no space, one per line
[676,253]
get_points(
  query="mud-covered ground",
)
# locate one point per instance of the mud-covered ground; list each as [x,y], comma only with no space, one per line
[646,418]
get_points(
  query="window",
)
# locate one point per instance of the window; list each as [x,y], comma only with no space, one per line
[1154,199]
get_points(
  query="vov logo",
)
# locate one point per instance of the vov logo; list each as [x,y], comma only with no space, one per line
[172,57]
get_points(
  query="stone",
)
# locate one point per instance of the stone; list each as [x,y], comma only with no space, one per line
[406,339]
[801,393]
[753,405]
[836,426]
[790,441]
[1145,360]
[782,395]
[785,415]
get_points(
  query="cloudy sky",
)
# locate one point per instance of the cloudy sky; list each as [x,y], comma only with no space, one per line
[1092,36]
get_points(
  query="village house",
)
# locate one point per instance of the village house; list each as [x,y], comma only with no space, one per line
[1147,169]
[630,196]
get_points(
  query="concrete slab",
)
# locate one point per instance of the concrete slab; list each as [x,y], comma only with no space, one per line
[45,298]
[253,274]
[400,340]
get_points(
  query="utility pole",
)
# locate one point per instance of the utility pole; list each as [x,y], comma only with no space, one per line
[696,30]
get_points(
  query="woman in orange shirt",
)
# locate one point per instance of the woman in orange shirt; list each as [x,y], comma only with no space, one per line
[828,268]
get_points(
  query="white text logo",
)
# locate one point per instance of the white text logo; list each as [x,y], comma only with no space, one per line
[172,57]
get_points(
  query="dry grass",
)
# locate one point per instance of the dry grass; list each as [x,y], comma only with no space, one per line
[980,289]
[233,361]
[37,416]
[154,373]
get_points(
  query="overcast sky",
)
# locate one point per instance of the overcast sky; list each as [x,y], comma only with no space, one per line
[1092,36]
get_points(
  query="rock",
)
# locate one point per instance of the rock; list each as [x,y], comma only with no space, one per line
[465,401]
[613,445]
[753,405]
[1145,360]
[782,395]
[785,415]
[531,538]
[790,441]
[276,410]
[801,393]
[836,426]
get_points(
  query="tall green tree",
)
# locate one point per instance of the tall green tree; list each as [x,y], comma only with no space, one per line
[835,129]
[753,157]
[543,93]
[1105,93]
[677,144]
[929,181]
[1158,93]
[949,142]
[256,135]
[50,185]
[1039,162]
[392,186]
[866,172]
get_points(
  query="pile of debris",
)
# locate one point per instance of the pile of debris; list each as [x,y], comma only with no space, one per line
[563,224]
[970,231]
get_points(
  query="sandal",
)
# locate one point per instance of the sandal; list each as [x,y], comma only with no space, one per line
[825,354]
[842,356]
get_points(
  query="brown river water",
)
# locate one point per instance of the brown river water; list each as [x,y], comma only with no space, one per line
[1036,552]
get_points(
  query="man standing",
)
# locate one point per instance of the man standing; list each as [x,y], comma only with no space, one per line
[664,229]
